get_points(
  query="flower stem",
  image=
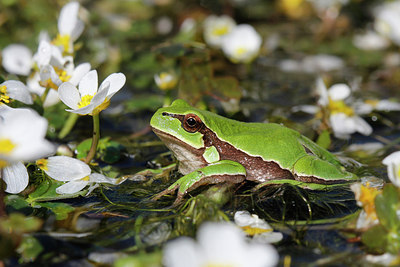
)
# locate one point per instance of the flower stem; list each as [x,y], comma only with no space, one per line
[69,124]
[45,93]
[95,139]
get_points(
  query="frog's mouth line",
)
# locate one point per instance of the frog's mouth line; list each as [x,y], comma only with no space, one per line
[166,136]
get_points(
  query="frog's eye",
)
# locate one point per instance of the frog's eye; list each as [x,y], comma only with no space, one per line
[191,123]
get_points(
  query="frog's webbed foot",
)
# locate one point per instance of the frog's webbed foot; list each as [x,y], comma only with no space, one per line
[219,172]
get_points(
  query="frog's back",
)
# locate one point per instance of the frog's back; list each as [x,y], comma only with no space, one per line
[270,141]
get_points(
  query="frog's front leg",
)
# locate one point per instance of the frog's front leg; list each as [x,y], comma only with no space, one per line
[217,172]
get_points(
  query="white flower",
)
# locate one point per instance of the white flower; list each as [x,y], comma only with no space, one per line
[22,138]
[343,119]
[312,64]
[387,19]
[70,27]
[393,166]
[216,28]
[369,105]
[370,40]
[34,86]
[242,45]
[15,90]
[17,59]
[218,244]
[89,98]
[256,227]
[75,172]
[166,80]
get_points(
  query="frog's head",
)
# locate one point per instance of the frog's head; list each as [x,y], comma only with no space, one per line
[180,122]
[180,128]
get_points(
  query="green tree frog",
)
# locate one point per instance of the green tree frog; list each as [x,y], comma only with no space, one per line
[214,149]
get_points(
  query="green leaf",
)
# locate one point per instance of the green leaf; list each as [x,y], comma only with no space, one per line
[140,260]
[375,238]
[324,139]
[18,223]
[108,151]
[29,249]
[47,191]
[386,205]
[226,88]
[61,210]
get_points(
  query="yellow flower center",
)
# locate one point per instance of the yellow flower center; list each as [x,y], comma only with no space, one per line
[3,95]
[101,107]
[167,81]
[222,30]
[240,51]
[42,164]
[86,178]
[6,146]
[62,40]
[85,100]
[339,106]
[62,74]
[372,102]
[251,231]
[367,198]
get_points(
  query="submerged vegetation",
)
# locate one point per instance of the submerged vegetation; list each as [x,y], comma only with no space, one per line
[81,170]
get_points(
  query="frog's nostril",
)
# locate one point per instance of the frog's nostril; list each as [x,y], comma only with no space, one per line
[164,114]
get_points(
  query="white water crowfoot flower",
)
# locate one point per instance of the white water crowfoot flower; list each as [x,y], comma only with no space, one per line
[387,19]
[218,244]
[343,119]
[15,90]
[259,229]
[166,80]
[75,172]
[393,166]
[17,59]
[242,45]
[90,99]
[22,138]
[70,27]
[216,28]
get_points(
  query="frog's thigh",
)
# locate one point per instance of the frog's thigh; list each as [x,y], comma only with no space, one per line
[312,166]
[218,172]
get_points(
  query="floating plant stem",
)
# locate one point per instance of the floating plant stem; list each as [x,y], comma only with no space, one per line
[95,139]
[69,124]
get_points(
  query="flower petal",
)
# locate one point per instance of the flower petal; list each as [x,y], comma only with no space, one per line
[71,187]
[16,177]
[80,71]
[88,84]
[339,91]
[17,59]
[63,168]
[68,18]
[18,91]
[116,80]
[69,94]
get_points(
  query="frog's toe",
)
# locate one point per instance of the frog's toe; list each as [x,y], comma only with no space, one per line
[165,192]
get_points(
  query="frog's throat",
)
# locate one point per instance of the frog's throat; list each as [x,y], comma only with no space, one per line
[190,158]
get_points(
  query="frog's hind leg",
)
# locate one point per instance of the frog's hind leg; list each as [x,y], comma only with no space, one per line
[311,169]
[218,172]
